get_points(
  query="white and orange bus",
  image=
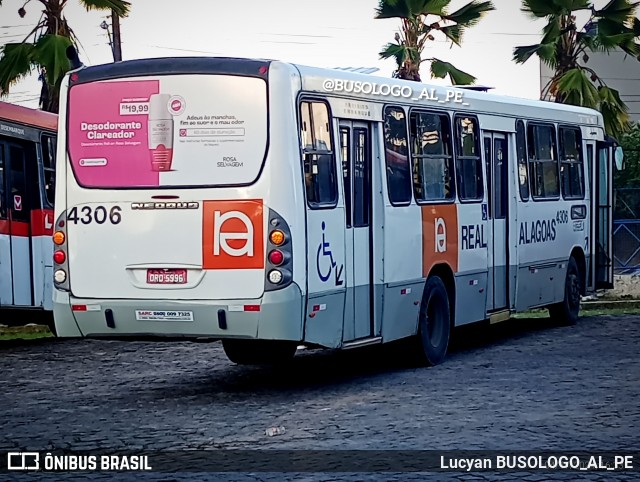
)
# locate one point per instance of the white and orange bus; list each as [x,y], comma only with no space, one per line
[273,205]
[27,179]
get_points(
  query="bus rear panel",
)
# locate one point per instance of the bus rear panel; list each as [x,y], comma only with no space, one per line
[166,229]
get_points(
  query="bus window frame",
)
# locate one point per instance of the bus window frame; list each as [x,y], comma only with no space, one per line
[4,192]
[28,186]
[265,154]
[45,199]
[479,148]
[451,158]
[581,153]
[409,159]
[554,131]
[523,122]
[345,161]
[331,119]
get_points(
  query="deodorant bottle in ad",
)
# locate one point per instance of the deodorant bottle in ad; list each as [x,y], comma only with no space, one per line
[160,132]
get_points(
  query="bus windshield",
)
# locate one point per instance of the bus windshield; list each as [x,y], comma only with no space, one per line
[170,130]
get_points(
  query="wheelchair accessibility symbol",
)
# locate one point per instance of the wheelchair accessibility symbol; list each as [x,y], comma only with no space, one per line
[325,263]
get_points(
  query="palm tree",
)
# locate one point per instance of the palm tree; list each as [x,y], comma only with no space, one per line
[565,47]
[44,48]
[421,19]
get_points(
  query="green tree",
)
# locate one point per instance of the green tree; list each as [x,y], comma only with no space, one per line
[627,181]
[44,49]
[421,21]
[565,47]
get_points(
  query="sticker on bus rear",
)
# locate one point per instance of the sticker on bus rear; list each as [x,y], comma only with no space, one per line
[167,130]
[232,235]
[142,315]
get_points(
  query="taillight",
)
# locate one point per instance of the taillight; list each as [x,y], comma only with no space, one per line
[58,238]
[59,257]
[275,276]
[60,276]
[279,268]
[61,273]
[276,257]
[277,237]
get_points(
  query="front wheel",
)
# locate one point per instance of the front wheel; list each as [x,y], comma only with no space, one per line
[567,311]
[259,352]
[434,324]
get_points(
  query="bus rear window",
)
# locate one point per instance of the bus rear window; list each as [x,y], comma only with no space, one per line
[174,130]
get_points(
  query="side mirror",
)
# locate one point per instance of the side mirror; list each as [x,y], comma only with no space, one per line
[619,158]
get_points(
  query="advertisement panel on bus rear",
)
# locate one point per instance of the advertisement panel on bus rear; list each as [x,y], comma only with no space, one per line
[178,130]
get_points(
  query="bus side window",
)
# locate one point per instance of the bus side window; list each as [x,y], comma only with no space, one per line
[345,149]
[521,151]
[318,156]
[571,164]
[397,156]
[468,160]
[19,195]
[49,165]
[543,161]
[431,155]
[3,206]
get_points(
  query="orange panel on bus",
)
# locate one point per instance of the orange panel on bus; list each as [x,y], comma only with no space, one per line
[439,236]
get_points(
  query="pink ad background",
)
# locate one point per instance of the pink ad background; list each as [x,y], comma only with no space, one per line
[97,103]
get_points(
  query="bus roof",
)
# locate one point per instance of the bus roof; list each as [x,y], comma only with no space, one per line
[314,78]
[29,117]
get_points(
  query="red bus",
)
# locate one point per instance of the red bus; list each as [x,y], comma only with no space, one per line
[27,186]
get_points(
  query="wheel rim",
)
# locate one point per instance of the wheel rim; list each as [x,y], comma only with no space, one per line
[434,319]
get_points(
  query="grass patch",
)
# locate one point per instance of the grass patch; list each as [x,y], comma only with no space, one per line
[27,332]
[543,313]
[610,311]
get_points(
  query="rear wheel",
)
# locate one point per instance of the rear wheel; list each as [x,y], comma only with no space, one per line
[259,352]
[434,324]
[567,311]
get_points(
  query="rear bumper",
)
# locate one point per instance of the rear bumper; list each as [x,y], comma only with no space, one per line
[280,317]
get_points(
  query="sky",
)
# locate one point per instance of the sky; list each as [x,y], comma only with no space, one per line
[331,33]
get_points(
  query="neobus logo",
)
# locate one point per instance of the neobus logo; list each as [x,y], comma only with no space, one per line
[166,205]
[232,235]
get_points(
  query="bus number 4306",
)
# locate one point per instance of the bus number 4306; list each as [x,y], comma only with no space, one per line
[99,215]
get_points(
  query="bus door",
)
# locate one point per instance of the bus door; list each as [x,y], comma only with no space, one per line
[356,155]
[590,229]
[602,203]
[326,273]
[496,161]
[15,257]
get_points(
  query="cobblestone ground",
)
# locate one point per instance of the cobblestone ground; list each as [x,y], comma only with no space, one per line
[520,385]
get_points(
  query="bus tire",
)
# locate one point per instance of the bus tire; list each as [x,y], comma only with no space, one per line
[259,352]
[434,324]
[567,311]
